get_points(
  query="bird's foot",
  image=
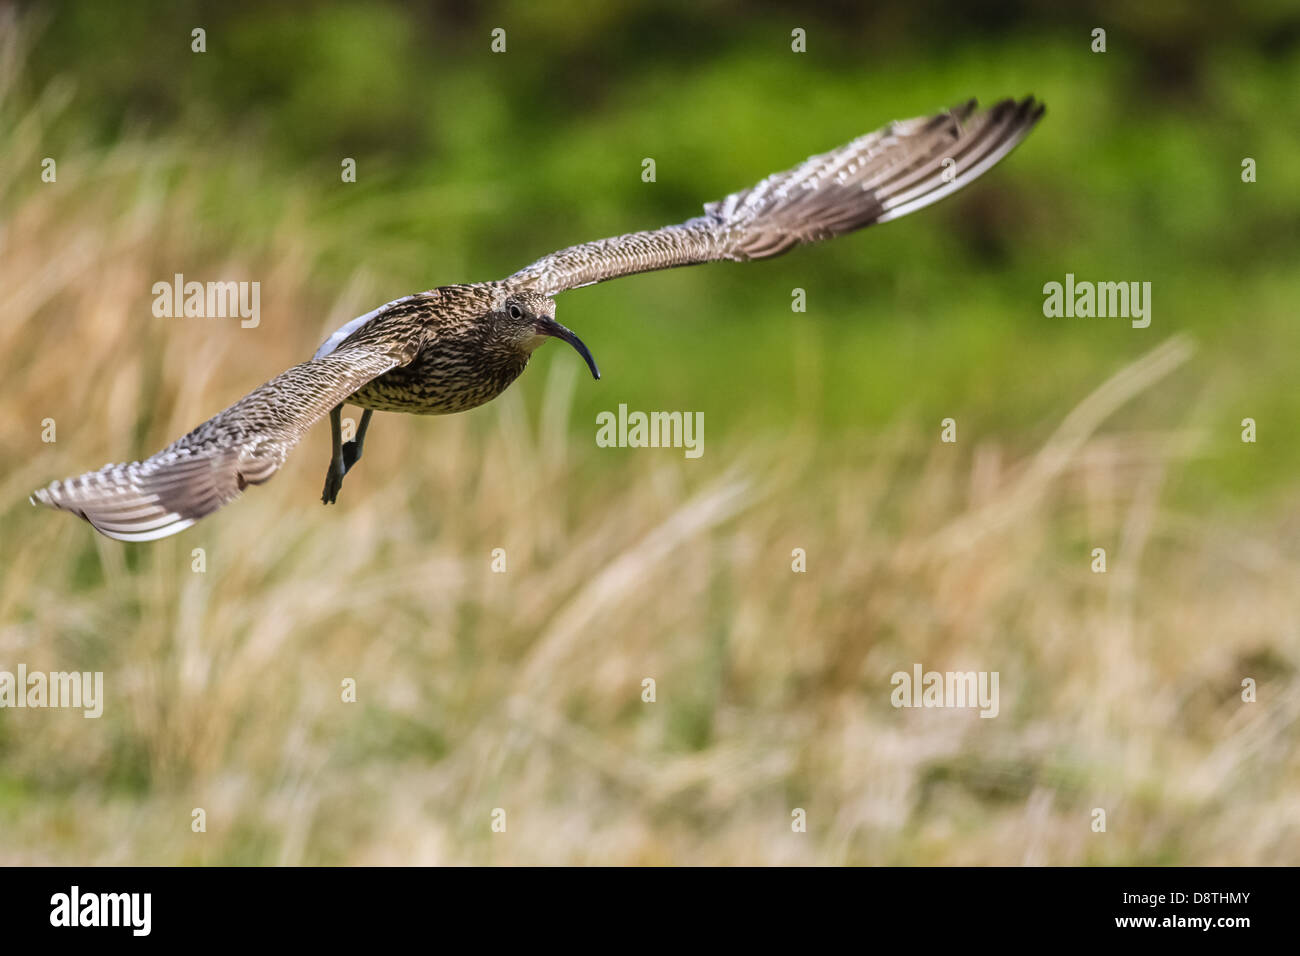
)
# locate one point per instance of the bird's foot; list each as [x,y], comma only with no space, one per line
[337,469]
[333,482]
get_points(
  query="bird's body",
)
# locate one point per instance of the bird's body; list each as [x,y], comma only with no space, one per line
[456,347]
[455,366]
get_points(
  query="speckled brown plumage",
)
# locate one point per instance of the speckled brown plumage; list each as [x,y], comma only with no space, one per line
[457,347]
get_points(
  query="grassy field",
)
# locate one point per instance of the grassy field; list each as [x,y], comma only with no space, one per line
[522,690]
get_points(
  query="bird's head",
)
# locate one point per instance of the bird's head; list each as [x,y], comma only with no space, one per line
[526,319]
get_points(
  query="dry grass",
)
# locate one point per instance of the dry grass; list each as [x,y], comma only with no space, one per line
[523,690]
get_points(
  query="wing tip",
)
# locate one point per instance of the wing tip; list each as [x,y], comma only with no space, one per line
[1028,111]
[1030,108]
[125,512]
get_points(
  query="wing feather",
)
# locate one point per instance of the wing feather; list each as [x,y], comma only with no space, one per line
[883,175]
[243,445]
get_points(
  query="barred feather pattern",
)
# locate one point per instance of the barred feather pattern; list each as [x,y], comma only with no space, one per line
[883,175]
[455,347]
[209,467]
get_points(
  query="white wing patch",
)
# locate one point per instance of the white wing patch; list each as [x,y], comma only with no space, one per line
[347,328]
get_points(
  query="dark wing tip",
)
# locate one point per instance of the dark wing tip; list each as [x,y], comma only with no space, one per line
[963,110]
[1028,110]
[1030,107]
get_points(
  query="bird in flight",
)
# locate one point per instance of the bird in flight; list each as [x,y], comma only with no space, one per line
[459,346]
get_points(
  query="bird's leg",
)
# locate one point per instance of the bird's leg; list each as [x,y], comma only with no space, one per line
[334,475]
[352,449]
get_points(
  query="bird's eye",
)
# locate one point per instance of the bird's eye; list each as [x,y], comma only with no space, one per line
[516,312]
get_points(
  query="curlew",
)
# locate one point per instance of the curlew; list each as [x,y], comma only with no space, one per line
[456,347]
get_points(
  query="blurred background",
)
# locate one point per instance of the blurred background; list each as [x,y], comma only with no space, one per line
[523,690]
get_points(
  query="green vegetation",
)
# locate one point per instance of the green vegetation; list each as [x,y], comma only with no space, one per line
[523,690]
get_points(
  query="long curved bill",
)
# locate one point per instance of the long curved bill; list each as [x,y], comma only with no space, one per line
[555,329]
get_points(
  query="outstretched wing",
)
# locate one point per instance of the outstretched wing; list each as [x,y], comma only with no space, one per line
[877,177]
[244,445]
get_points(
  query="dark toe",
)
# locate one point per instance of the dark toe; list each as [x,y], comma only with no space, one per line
[333,484]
